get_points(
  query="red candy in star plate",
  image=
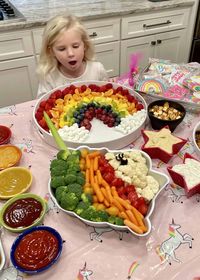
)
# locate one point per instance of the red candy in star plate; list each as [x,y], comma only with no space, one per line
[186,175]
[161,144]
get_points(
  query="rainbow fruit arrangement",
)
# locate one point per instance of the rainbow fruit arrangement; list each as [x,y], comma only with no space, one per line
[81,104]
[88,183]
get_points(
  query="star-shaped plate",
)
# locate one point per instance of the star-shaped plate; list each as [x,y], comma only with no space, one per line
[179,179]
[161,144]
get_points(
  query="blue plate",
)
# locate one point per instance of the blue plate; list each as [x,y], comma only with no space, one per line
[19,238]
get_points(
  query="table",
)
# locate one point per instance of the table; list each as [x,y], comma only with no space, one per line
[102,254]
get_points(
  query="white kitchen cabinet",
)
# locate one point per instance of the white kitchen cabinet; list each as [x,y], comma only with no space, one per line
[167,45]
[18,81]
[155,34]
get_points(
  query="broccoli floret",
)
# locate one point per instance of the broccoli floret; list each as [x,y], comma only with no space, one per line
[116,220]
[73,168]
[57,181]
[70,178]
[73,159]
[69,201]
[59,192]
[58,167]
[63,154]
[58,163]
[81,207]
[101,216]
[80,179]
[76,153]
[76,189]
[87,198]
[89,213]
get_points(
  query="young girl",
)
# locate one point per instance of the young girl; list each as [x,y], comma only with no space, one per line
[67,55]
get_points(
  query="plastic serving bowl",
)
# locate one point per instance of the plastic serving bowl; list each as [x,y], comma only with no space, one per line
[15,199]
[13,181]
[196,128]
[157,123]
[101,136]
[36,241]
[161,178]
[5,134]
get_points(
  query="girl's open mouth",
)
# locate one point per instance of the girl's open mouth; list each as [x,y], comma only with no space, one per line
[72,62]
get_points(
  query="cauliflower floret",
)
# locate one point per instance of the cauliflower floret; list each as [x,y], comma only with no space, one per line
[152,183]
[147,193]
[115,163]
[109,156]
[126,179]
[126,169]
[139,191]
[118,174]
[132,163]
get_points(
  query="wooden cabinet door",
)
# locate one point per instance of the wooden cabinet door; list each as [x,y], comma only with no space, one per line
[18,81]
[170,45]
[144,45]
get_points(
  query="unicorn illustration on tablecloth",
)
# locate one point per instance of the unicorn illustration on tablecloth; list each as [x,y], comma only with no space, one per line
[132,268]
[26,145]
[176,193]
[84,273]
[97,233]
[166,250]
[10,110]
[10,273]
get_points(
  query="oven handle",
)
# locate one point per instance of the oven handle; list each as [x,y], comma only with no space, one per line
[156,24]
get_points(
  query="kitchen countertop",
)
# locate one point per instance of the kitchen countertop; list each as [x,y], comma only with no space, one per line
[38,12]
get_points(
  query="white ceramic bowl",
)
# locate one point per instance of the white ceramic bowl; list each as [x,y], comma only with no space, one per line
[161,178]
[196,128]
[2,255]
[101,136]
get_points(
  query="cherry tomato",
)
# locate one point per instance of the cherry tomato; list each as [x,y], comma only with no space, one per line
[143,208]
[132,196]
[108,177]
[118,182]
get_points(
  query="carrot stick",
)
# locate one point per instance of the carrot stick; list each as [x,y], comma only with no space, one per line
[99,176]
[132,217]
[87,176]
[95,179]
[91,175]
[109,195]
[106,202]
[94,154]
[123,202]
[118,205]
[87,161]
[98,192]
[133,226]
[139,219]
[96,165]
[123,215]
[113,191]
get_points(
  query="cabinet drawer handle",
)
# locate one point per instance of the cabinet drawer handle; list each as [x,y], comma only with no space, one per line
[153,43]
[159,41]
[156,24]
[94,34]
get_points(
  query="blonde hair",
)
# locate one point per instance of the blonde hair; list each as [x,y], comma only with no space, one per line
[54,27]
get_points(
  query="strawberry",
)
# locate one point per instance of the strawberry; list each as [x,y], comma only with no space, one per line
[38,116]
[108,86]
[43,103]
[83,88]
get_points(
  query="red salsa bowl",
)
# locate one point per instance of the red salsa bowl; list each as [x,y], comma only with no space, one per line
[5,134]
[48,250]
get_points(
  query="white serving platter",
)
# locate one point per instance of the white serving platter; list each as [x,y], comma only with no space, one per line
[161,178]
[100,135]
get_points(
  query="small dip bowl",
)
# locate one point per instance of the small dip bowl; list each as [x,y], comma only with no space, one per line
[22,212]
[10,155]
[13,181]
[196,137]
[5,134]
[29,243]
[157,121]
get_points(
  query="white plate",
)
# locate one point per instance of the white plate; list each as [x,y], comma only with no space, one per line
[196,128]
[100,134]
[161,178]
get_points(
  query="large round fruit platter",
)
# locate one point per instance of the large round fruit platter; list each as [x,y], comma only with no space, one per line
[101,187]
[96,114]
